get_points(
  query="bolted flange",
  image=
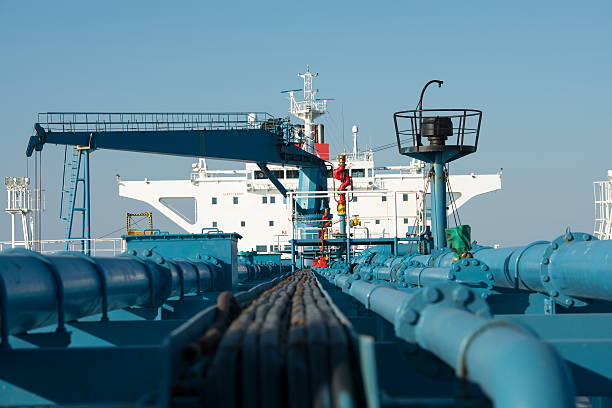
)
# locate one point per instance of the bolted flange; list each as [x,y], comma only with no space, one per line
[444,294]
[473,273]
[547,276]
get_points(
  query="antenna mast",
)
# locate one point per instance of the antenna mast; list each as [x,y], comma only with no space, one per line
[309,109]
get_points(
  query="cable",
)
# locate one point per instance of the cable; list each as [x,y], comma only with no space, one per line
[453,203]
[122,228]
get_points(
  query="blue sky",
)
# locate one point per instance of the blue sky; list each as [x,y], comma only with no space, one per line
[538,70]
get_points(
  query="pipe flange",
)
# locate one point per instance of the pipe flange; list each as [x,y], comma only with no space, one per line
[473,273]
[160,275]
[447,294]
[415,264]
[547,277]
[397,271]
[366,272]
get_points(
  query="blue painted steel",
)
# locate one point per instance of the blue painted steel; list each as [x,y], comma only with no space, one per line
[44,290]
[279,186]
[209,246]
[254,267]
[342,218]
[87,204]
[438,203]
[571,269]
[310,209]
[449,321]
[40,290]
[250,145]
[77,171]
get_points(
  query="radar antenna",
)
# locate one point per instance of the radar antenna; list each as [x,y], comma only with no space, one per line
[308,109]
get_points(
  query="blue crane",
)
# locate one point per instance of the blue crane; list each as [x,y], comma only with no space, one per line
[249,137]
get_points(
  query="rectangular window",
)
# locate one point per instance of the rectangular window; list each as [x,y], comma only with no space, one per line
[377,222]
[271,223]
[235,200]
[358,172]
[284,200]
[279,174]
[384,198]
[272,200]
[242,223]
[405,197]
[259,175]
[214,200]
[369,172]
[264,200]
[354,199]
[287,247]
[405,220]
[214,224]
[293,174]
[261,248]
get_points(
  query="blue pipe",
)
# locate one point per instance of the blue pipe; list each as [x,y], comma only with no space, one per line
[40,290]
[342,218]
[573,266]
[512,367]
[86,204]
[532,374]
[580,267]
[438,201]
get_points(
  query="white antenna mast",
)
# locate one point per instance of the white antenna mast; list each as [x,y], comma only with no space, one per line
[309,109]
[355,148]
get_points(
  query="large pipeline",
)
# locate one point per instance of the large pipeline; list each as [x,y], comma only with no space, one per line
[38,290]
[450,321]
[572,267]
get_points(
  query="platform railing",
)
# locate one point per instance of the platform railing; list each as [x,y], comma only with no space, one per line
[152,121]
[387,222]
[99,246]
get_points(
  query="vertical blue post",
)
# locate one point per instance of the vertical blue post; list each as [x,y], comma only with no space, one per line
[438,203]
[342,218]
[87,205]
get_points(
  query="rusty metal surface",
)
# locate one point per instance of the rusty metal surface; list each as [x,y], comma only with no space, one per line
[287,348]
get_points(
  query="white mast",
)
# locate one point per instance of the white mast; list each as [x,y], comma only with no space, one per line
[603,208]
[19,203]
[355,149]
[309,109]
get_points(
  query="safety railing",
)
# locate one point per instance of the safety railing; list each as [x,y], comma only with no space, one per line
[603,209]
[154,121]
[99,246]
[389,213]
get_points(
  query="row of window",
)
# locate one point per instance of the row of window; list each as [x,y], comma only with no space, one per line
[242,224]
[293,174]
[264,248]
[264,200]
[271,223]
[383,198]
[406,221]
[272,199]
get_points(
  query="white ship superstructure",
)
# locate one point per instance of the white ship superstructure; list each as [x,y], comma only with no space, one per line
[246,202]
[386,200]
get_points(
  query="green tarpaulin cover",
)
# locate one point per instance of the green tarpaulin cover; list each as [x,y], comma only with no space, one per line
[459,239]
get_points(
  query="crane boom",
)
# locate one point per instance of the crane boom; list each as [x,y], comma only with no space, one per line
[239,140]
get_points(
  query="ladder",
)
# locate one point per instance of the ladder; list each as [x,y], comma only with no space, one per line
[75,196]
